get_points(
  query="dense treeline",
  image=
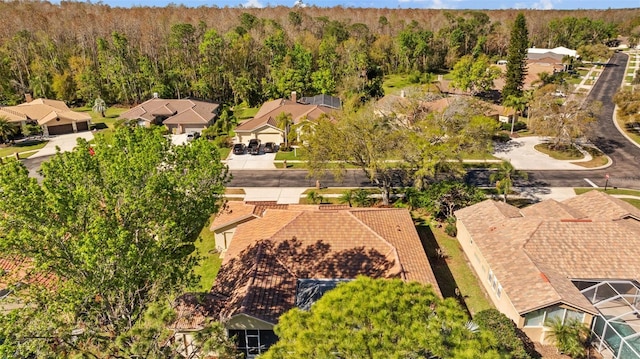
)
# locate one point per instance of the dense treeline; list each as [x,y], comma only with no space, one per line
[77,51]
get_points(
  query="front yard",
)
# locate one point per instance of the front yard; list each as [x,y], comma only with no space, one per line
[28,147]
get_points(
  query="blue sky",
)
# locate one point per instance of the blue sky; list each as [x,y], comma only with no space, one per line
[425,4]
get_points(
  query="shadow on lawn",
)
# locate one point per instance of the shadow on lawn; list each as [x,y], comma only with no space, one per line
[444,277]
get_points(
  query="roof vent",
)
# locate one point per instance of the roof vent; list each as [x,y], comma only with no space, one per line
[155,95]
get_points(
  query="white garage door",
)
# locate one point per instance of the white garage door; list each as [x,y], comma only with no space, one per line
[193,129]
[275,137]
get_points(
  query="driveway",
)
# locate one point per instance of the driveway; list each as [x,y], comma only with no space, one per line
[65,142]
[251,162]
[523,156]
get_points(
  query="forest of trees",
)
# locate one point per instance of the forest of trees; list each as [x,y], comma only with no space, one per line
[79,51]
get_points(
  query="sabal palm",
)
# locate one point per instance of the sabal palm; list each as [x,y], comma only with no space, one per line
[504,177]
[284,122]
[6,129]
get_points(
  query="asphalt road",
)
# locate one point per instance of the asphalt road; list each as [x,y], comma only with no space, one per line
[624,172]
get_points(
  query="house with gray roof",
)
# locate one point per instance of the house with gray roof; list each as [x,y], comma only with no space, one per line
[576,259]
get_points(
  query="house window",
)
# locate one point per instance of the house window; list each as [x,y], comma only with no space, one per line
[541,317]
[499,291]
[253,342]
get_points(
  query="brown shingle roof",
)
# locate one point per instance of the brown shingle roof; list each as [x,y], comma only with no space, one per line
[45,110]
[176,111]
[269,111]
[269,254]
[591,236]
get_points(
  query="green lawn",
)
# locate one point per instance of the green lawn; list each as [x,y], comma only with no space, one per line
[25,146]
[634,202]
[224,152]
[297,155]
[568,154]
[394,83]
[628,192]
[632,134]
[243,112]
[453,270]
[210,261]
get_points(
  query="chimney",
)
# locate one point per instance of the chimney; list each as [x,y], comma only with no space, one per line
[155,95]
[28,97]
[402,93]
[294,96]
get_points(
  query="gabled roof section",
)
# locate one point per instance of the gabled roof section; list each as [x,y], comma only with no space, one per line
[269,111]
[176,111]
[269,254]
[45,111]
[12,115]
[552,209]
[602,207]
[536,252]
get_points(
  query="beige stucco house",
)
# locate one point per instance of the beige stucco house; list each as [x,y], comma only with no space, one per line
[53,116]
[178,115]
[575,259]
[280,254]
[264,125]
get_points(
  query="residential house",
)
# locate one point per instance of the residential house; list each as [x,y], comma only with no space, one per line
[264,125]
[53,116]
[18,271]
[179,115]
[282,256]
[575,259]
[554,58]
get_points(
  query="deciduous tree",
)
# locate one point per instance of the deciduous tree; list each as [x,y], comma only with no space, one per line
[115,225]
[505,176]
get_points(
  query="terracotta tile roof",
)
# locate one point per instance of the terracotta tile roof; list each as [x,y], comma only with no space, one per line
[269,254]
[14,269]
[536,252]
[177,111]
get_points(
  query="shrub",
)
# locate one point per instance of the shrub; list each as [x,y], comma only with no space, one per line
[223,141]
[510,339]
[451,228]
[518,126]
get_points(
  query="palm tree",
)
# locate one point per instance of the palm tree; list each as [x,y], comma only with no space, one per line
[284,121]
[504,177]
[571,336]
[518,104]
[99,106]
[6,129]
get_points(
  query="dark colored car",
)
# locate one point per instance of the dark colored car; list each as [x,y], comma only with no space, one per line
[239,149]
[270,147]
[254,146]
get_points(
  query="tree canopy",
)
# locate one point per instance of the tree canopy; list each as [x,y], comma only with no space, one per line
[115,224]
[381,318]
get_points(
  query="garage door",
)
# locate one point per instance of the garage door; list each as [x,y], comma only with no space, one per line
[193,129]
[270,137]
[82,126]
[60,129]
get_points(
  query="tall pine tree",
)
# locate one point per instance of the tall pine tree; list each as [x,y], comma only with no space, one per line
[516,59]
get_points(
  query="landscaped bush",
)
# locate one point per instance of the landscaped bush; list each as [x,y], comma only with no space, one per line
[518,126]
[510,339]
[501,137]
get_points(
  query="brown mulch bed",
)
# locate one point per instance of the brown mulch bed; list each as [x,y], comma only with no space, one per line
[550,352]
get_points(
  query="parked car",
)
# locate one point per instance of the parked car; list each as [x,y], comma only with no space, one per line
[254,146]
[270,147]
[192,136]
[239,149]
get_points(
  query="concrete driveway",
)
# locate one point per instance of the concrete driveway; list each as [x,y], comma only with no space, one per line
[523,156]
[251,162]
[66,143]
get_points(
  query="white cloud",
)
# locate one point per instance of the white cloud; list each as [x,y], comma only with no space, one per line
[543,5]
[253,3]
